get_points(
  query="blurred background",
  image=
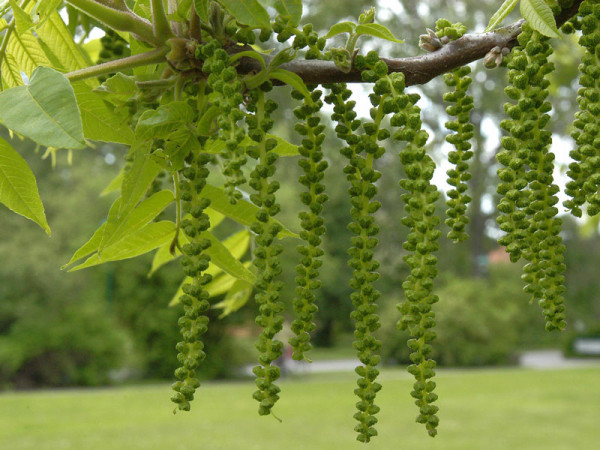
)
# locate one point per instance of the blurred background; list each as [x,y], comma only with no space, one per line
[111,325]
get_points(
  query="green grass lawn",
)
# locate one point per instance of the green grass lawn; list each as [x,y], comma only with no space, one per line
[483,409]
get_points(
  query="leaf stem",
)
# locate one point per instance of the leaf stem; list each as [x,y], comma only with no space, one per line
[142,59]
[160,23]
[118,19]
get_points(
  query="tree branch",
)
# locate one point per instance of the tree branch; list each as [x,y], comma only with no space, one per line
[417,69]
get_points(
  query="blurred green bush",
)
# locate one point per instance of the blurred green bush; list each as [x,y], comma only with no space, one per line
[479,321]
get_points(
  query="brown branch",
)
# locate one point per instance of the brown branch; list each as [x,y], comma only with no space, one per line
[417,69]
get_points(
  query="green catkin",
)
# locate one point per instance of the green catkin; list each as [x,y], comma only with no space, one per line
[227,97]
[361,152]
[459,79]
[458,199]
[266,258]
[585,185]
[526,182]
[313,164]
[416,312]
[194,261]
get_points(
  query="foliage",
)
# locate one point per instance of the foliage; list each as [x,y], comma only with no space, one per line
[479,325]
[189,97]
[78,345]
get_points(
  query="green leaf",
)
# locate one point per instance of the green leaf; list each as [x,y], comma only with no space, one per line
[115,183]
[147,239]
[539,15]
[99,122]
[218,286]
[26,54]
[248,54]
[378,31]
[237,296]
[205,123]
[23,20]
[18,188]
[242,212]
[58,39]
[88,248]
[247,12]
[118,89]
[137,179]
[283,147]
[339,28]
[202,9]
[10,71]
[222,257]
[291,9]
[291,79]
[119,227]
[45,111]
[164,256]
[504,10]
[3,25]
[183,9]
[164,120]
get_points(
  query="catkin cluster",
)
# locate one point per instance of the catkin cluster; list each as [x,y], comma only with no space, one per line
[361,152]
[584,186]
[526,183]
[458,199]
[267,250]
[311,161]
[227,97]
[459,79]
[194,261]
[419,199]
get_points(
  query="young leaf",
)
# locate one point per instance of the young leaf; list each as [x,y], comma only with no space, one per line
[58,40]
[147,239]
[115,184]
[247,12]
[202,9]
[23,20]
[283,147]
[88,248]
[45,111]
[339,28]
[378,31]
[242,212]
[137,180]
[118,228]
[99,122]
[18,188]
[237,296]
[290,79]
[25,54]
[163,254]
[222,256]
[504,10]
[291,9]
[164,120]
[118,89]
[539,15]
[218,286]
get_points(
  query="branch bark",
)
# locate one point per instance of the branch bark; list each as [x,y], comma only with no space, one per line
[417,69]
